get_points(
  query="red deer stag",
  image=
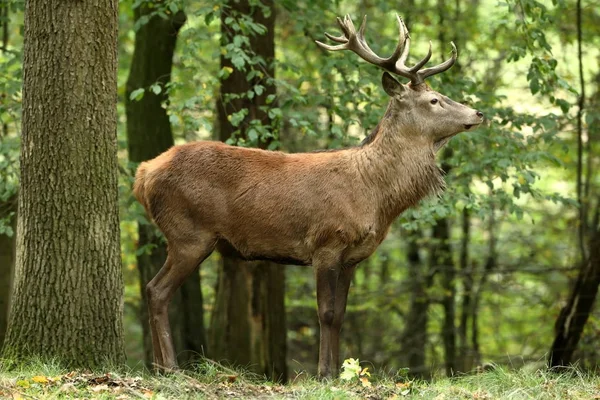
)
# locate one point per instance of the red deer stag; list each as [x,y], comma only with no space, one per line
[330,210]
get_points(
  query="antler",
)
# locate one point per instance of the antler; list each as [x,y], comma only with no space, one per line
[355,42]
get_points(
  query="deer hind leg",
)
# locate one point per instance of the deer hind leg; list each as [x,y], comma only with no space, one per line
[327,269]
[341,297]
[183,259]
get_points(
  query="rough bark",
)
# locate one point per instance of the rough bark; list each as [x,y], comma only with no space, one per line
[7,262]
[149,134]
[248,322]
[67,299]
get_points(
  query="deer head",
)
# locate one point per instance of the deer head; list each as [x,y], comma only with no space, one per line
[419,113]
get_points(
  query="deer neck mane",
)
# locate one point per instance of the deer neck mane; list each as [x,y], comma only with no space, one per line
[400,171]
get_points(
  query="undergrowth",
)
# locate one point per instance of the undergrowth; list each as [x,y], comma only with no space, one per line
[209,380]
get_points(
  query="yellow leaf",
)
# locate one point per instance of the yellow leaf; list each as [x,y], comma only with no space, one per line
[365,382]
[40,379]
[365,372]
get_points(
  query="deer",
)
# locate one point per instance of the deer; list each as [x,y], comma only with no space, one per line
[329,210]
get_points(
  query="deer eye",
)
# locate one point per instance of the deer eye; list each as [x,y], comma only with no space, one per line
[434,101]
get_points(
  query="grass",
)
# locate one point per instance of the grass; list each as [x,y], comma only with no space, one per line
[209,380]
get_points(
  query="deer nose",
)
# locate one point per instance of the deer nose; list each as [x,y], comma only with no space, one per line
[479,114]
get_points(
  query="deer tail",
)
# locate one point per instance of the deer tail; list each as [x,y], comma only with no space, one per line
[139,186]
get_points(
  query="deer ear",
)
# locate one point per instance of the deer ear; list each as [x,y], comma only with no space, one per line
[391,86]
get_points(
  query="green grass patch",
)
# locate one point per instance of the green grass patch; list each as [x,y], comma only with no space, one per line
[209,380]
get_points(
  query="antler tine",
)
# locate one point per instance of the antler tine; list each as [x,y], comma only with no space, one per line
[401,39]
[332,48]
[339,39]
[346,25]
[405,40]
[420,64]
[400,67]
[366,49]
[441,67]
[414,73]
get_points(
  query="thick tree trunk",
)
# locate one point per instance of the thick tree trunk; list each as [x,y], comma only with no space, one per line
[67,299]
[248,322]
[7,262]
[149,134]
[574,315]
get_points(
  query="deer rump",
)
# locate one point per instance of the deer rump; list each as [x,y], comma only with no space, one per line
[260,205]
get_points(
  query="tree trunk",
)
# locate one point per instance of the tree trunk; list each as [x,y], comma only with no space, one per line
[248,322]
[7,262]
[574,315]
[442,260]
[68,289]
[414,338]
[489,267]
[149,134]
[465,358]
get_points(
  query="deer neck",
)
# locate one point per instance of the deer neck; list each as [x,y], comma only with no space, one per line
[397,168]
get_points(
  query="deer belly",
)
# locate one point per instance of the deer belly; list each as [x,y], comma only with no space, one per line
[265,247]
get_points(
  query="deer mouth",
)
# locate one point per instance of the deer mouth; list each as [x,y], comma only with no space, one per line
[469,126]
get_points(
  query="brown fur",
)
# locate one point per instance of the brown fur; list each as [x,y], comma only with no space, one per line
[326,209]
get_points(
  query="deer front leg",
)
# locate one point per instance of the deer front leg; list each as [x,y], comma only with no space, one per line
[326,273]
[341,298]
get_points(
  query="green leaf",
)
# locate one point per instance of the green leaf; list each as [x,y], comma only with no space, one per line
[238,61]
[252,134]
[137,94]
[156,89]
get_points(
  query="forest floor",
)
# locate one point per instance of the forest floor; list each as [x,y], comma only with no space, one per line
[42,381]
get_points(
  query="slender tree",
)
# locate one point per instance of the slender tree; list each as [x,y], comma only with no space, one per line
[67,301]
[7,208]
[7,262]
[465,361]
[414,337]
[248,321]
[149,134]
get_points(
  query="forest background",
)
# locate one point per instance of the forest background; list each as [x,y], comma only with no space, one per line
[496,270]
